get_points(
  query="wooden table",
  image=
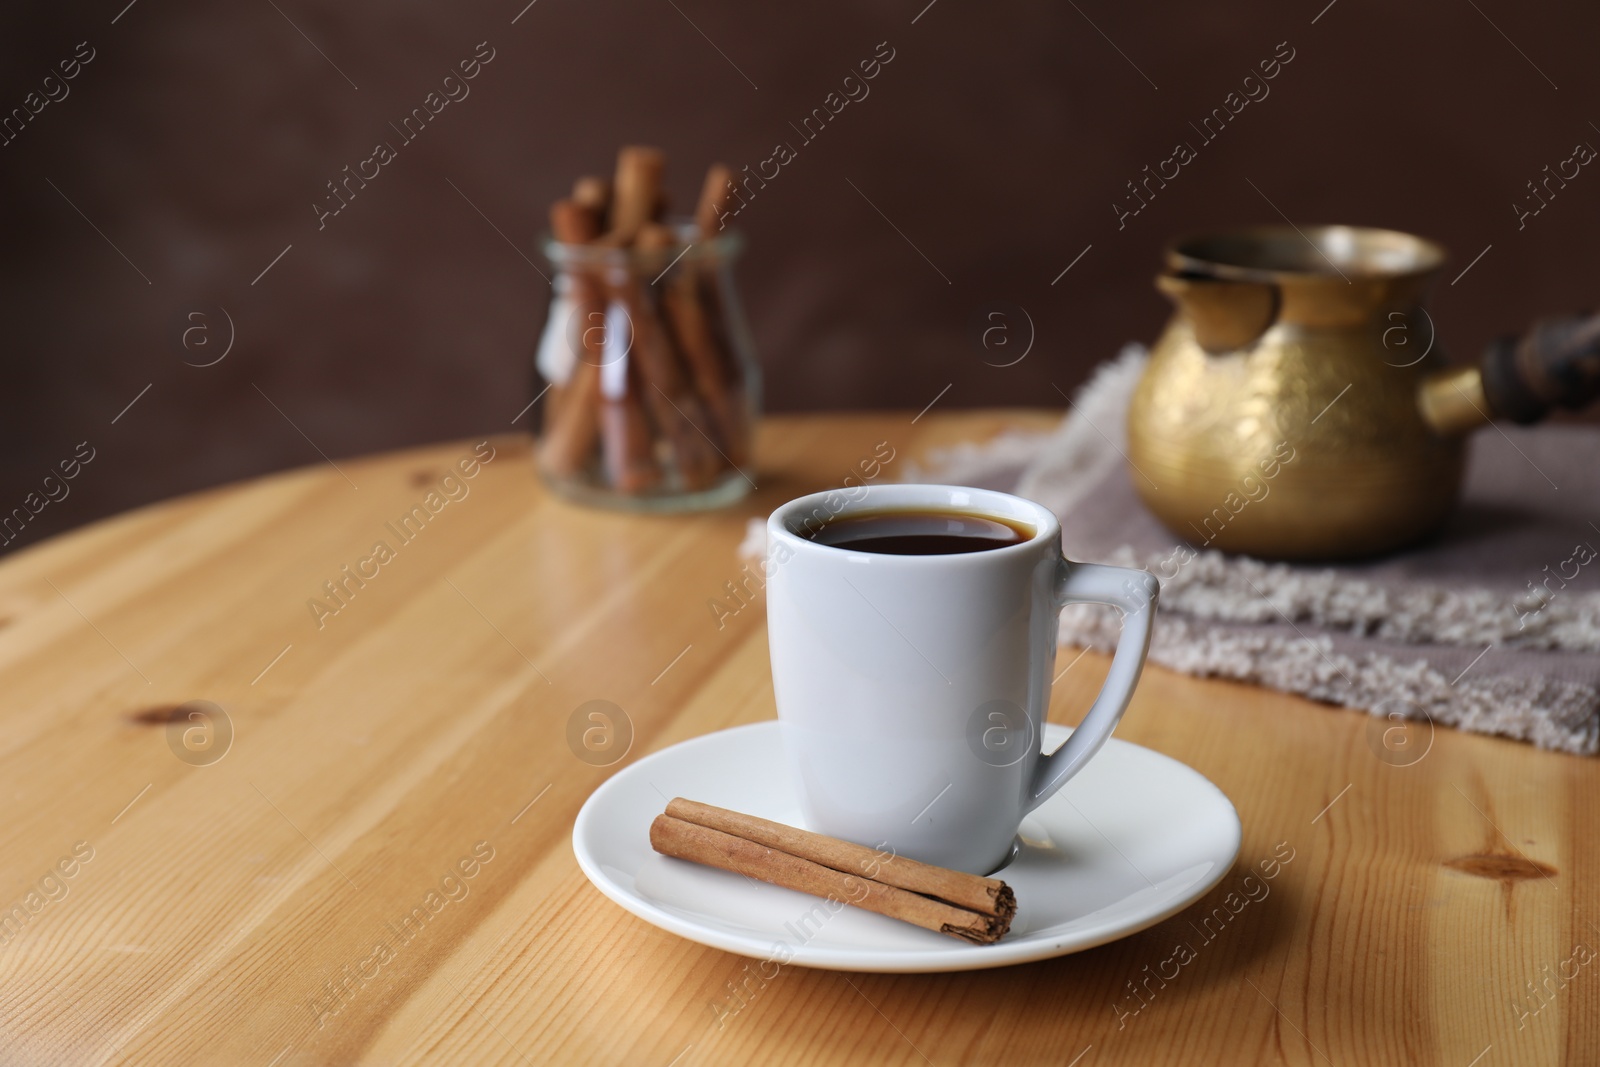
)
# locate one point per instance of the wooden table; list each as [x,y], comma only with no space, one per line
[224,910]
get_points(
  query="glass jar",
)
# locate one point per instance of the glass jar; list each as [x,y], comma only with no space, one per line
[651,387]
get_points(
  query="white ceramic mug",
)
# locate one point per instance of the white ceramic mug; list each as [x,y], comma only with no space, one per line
[912,689]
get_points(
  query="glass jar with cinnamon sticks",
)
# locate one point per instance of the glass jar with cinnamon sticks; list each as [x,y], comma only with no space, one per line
[652,388]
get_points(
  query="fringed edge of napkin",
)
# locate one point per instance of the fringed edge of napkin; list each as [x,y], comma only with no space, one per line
[1213,587]
[1550,714]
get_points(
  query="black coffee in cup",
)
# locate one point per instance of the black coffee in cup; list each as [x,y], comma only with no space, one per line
[921,533]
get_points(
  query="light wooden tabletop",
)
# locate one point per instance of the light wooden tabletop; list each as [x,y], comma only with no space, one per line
[173,894]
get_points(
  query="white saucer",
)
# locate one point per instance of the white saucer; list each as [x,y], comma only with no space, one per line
[1133,838]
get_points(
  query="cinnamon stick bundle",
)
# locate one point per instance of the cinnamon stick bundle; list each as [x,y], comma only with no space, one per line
[677,395]
[965,906]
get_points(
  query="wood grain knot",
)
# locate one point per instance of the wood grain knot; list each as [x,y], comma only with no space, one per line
[1500,866]
[159,715]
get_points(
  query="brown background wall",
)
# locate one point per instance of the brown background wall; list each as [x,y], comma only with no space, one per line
[997,140]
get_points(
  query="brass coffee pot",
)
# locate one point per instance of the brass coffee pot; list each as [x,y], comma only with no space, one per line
[1297,407]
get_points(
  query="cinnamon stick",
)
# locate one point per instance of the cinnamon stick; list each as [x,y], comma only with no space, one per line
[715,193]
[592,192]
[987,895]
[713,848]
[676,407]
[686,315]
[630,456]
[711,212]
[636,192]
[573,222]
[569,443]
[574,423]
[690,302]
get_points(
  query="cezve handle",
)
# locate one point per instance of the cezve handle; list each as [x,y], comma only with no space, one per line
[1556,364]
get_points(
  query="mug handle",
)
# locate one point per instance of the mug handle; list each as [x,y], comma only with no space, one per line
[1135,593]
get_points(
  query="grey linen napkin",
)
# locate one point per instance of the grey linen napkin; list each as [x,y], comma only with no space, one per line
[1493,626]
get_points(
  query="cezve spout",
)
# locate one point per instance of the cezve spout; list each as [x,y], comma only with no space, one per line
[1225,315]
